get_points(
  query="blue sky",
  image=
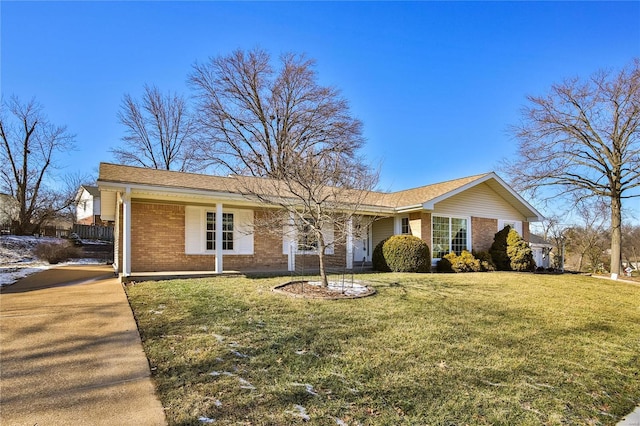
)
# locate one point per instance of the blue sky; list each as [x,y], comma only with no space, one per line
[436,84]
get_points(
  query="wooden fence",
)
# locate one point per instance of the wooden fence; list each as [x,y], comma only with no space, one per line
[94,232]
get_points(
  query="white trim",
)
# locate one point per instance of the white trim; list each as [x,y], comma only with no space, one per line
[537,216]
[434,260]
[218,268]
[517,225]
[126,233]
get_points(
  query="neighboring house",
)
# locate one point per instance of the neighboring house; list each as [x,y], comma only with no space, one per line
[88,205]
[166,221]
[541,249]
[8,212]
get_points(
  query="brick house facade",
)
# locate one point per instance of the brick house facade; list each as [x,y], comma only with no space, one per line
[166,221]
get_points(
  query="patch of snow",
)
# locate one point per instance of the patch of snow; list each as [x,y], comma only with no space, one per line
[308,387]
[17,260]
[340,422]
[217,403]
[240,354]
[245,384]
[203,419]
[299,411]
[354,288]
[12,274]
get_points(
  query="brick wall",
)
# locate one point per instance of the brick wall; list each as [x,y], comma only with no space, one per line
[483,231]
[158,238]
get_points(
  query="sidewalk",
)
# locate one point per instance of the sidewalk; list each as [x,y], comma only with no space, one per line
[71,354]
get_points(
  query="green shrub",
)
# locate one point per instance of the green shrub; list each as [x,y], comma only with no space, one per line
[466,262]
[519,252]
[378,261]
[402,253]
[56,252]
[486,262]
[444,264]
[498,250]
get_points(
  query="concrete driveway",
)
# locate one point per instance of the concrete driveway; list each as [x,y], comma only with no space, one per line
[70,352]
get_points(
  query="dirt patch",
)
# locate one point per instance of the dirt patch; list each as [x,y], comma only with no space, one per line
[313,290]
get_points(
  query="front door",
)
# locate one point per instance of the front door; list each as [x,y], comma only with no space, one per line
[361,246]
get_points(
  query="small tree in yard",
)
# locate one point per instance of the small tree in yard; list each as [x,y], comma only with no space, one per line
[519,252]
[293,141]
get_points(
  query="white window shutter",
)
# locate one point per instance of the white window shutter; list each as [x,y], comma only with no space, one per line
[327,234]
[289,235]
[243,233]
[193,232]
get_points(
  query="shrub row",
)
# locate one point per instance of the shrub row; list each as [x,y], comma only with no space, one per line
[407,253]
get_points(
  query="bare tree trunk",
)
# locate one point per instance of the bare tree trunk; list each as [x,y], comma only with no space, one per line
[323,273]
[616,234]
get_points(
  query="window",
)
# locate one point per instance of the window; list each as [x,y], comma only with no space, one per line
[449,234]
[227,231]
[307,240]
[404,229]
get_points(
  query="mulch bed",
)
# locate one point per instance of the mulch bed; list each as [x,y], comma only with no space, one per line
[303,289]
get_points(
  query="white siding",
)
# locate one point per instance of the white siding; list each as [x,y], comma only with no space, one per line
[108,205]
[84,208]
[381,229]
[478,201]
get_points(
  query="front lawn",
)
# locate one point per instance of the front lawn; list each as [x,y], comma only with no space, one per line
[438,349]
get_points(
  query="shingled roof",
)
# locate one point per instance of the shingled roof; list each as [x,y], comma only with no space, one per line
[120,175]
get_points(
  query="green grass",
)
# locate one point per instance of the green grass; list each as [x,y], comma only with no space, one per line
[437,349]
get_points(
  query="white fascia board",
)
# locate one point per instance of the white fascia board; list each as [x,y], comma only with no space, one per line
[408,209]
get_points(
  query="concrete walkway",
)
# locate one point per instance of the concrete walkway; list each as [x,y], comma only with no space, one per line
[71,354]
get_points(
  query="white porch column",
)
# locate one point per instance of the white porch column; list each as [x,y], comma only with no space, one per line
[349,243]
[290,234]
[397,225]
[218,266]
[126,233]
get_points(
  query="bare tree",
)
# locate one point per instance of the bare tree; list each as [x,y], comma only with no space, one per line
[631,244]
[280,124]
[30,144]
[590,238]
[159,132]
[583,140]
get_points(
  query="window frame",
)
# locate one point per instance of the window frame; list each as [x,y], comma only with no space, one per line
[210,231]
[450,238]
[405,227]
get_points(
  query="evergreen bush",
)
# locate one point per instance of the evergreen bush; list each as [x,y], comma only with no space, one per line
[377,259]
[519,252]
[466,262]
[498,250]
[486,262]
[402,253]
